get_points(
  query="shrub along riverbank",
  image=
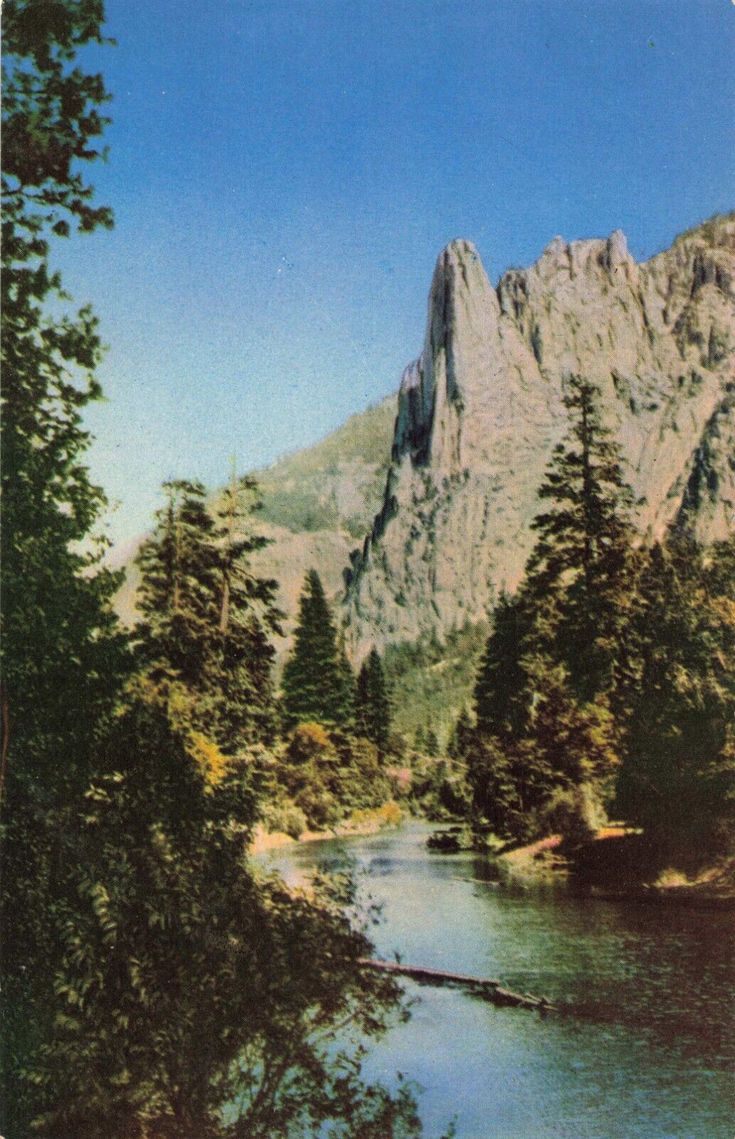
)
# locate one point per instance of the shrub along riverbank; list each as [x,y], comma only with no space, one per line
[619,862]
[358,823]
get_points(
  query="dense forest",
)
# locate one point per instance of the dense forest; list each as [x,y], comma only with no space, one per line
[155,980]
[607,684]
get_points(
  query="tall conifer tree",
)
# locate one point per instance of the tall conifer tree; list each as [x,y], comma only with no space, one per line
[577,578]
[501,679]
[555,648]
[677,697]
[316,685]
[206,617]
[373,705]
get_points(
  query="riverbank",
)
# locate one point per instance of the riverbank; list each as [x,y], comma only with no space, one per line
[643,1045]
[619,863]
[360,824]
[539,860]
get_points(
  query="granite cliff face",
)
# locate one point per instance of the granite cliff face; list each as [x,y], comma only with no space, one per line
[480,411]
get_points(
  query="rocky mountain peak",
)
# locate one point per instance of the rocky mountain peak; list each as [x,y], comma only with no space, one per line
[480,411]
[435,388]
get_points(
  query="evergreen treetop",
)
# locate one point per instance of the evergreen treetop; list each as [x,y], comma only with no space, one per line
[578,577]
[206,617]
[316,685]
[373,705]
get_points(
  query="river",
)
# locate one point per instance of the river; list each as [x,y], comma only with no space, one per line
[645,1048]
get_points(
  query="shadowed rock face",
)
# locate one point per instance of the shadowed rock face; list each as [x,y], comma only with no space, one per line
[481,409]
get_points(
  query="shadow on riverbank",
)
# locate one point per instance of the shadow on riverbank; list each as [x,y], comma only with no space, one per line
[622,863]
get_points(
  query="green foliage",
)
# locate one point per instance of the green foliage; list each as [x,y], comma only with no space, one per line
[575,742]
[317,684]
[329,775]
[51,114]
[438,788]
[611,666]
[547,681]
[187,979]
[501,679]
[63,659]
[575,813]
[372,704]
[282,815]
[578,576]
[151,977]
[431,682]
[365,781]
[677,697]
[432,743]
[461,736]
[203,639]
[59,643]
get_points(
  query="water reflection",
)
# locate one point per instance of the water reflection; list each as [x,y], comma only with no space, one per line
[645,1048]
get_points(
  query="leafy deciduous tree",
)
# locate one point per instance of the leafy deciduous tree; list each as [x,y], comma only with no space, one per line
[188,981]
[63,660]
[149,976]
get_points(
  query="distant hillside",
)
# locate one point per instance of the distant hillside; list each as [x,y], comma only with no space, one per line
[318,505]
[338,483]
[442,481]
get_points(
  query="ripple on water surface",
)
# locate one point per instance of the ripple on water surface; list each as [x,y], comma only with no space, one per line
[646,1049]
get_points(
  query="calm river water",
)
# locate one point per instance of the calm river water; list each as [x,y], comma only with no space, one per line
[646,1047]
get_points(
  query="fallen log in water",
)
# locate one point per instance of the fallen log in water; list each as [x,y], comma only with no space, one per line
[478,986]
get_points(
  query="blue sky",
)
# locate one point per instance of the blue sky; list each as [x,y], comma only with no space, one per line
[285,172]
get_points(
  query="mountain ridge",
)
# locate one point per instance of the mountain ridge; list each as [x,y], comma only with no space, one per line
[422,503]
[481,409]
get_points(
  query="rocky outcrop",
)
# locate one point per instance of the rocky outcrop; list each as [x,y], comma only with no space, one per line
[480,411]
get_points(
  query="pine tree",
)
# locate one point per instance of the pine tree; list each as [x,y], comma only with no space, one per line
[500,687]
[550,668]
[177,597]
[677,698]
[461,737]
[206,617]
[348,684]
[373,706]
[315,685]
[432,743]
[248,617]
[577,583]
